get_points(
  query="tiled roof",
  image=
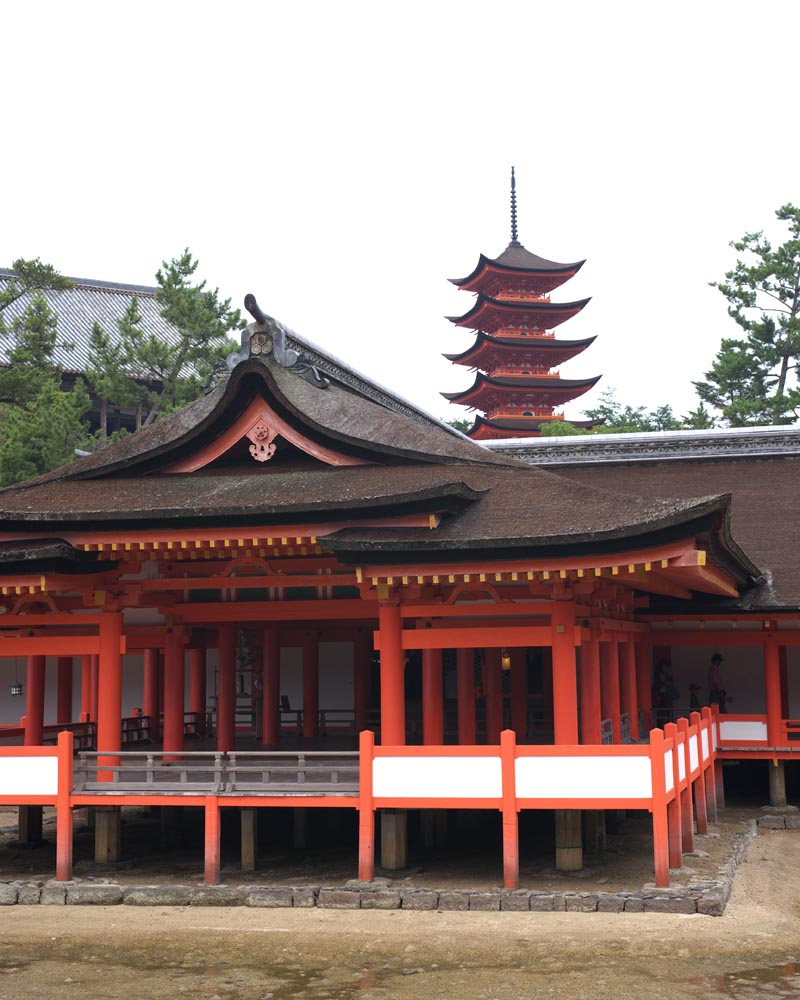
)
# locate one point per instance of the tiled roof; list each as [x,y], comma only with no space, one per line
[88,302]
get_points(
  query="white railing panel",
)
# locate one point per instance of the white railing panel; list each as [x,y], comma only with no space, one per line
[681,764]
[437,777]
[748,731]
[28,775]
[704,739]
[584,778]
[669,781]
[694,760]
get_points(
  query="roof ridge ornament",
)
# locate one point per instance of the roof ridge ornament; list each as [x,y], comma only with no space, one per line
[514,241]
[266,337]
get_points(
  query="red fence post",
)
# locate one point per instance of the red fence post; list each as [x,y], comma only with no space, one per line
[212,833]
[64,808]
[659,809]
[700,784]
[718,781]
[711,779]
[674,807]
[687,819]
[508,748]
[366,811]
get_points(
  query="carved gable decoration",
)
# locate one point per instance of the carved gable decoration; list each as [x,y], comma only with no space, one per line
[262,427]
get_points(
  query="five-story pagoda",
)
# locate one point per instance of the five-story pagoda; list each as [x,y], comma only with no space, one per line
[515,350]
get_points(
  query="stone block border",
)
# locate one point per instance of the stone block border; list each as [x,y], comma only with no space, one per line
[709,897]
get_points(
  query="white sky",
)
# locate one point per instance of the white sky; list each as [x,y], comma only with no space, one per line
[342,159]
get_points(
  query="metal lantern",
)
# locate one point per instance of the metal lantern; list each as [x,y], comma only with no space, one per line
[16,690]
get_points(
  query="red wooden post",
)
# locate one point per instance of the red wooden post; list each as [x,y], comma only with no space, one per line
[226,688]
[660,809]
[609,686]
[519,693]
[310,686]
[510,816]
[711,771]
[271,686]
[366,811]
[64,691]
[362,678]
[150,690]
[109,692]
[432,698]
[212,837]
[34,701]
[86,687]
[565,681]
[674,807]
[197,688]
[465,695]
[393,695]
[63,807]
[591,730]
[782,655]
[95,687]
[644,685]
[687,818]
[699,789]
[174,691]
[493,690]
[628,694]
[772,688]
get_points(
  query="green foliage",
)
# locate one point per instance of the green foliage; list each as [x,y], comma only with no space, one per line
[460,424]
[40,424]
[753,380]
[560,428]
[619,419]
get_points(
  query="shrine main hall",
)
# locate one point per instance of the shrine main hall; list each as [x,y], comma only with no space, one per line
[300,591]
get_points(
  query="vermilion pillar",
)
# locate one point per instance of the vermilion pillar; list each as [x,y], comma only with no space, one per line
[644,685]
[465,696]
[772,689]
[609,686]
[271,687]
[784,661]
[362,679]
[519,694]
[109,690]
[64,691]
[150,690]
[94,686]
[565,681]
[174,690]
[591,729]
[34,701]
[310,687]
[493,690]
[393,694]
[86,687]
[628,698]
[432,698]
[226,688]
[197,688]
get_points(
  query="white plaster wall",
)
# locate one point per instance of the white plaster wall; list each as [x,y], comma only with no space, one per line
[28,775]
[437,777]
[584,777]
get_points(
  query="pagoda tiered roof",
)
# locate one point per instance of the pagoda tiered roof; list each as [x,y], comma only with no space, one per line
[492,315]
[499,428]
[490,352]
[490,392]
[520,266]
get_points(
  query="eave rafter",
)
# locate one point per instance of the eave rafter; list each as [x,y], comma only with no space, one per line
[674,570]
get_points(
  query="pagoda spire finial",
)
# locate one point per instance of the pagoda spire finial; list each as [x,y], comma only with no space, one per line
[514,241]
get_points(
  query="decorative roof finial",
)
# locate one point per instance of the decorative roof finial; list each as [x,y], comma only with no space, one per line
[514,241]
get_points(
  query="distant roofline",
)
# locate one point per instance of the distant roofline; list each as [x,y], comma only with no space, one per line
[109,286]
[652,446]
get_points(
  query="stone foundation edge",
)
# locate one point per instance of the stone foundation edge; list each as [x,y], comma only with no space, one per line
[708,898]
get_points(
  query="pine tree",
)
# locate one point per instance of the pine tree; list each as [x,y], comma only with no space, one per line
[753,380]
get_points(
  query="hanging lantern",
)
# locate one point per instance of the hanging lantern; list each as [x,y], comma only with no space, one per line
[16,689]
[505,659]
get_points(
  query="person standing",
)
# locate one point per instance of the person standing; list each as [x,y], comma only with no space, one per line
[716,692]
